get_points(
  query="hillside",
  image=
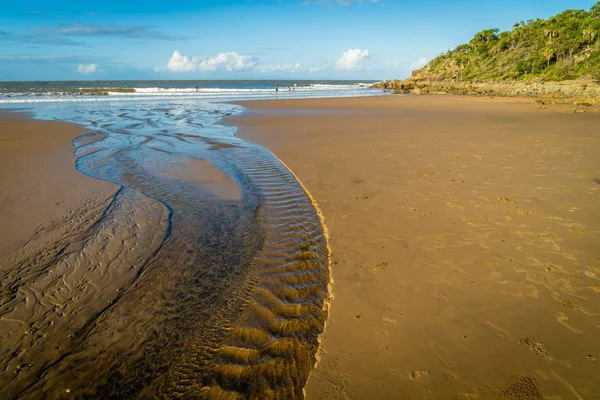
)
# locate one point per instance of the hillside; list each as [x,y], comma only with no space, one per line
[566,46]
[557,57]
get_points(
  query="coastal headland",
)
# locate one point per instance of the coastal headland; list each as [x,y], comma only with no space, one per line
[555,59]
[464,238]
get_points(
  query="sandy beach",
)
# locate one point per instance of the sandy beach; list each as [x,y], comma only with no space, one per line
[45,204]
[465,243]
[464,255]
[183,283]
[308,199]
[38,177]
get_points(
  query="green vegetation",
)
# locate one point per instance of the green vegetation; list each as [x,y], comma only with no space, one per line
[566,46]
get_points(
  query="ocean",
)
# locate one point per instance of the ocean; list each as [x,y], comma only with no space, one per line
[69,91]
[220,293]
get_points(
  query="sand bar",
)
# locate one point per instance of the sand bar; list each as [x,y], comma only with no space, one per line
[465,236]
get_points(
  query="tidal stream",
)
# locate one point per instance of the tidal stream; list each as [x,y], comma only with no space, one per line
[206,276]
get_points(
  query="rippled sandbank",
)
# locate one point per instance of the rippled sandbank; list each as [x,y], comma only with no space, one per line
[206,276]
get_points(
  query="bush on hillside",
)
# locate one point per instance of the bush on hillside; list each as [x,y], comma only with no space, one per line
[566,46]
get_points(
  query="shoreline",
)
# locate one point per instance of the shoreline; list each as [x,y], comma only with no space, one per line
[328,302]
[330,296]
[326,151]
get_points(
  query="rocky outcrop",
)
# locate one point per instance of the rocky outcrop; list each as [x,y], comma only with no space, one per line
[566,90]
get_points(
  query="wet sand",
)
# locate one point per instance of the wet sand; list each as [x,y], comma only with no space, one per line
[38,179]
[465,240]
[199,278]
[213,180]
[45,203]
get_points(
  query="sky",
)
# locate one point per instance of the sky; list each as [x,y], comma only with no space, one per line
[244,39]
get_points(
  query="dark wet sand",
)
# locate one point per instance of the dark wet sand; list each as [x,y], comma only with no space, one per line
[183,283]
[215,182]
[465,243]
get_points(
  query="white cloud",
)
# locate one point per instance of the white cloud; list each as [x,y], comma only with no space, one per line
[180,63]
[353,59]
[88,68]
[228,62]
[419,64]
[222,62]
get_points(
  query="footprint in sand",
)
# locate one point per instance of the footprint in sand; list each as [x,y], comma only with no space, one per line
[501,333]
[550,268]
[591,274]
[378,267]
[427,173]
[578,308]
[536,347]
[562,319]
[506,200]
[416,375]
[450,377]
[451,204]
[595,288]
[389,321]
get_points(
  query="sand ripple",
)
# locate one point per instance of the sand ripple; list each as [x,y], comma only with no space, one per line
[165,290]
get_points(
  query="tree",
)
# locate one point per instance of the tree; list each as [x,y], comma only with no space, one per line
[549,54]
[564,46]
[595,11]
[487,35]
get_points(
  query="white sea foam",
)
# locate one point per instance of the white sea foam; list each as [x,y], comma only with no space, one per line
[214,93]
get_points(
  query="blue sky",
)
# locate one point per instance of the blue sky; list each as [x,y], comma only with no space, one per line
[244,39]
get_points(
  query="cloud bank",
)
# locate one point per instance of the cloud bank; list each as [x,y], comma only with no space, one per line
[353,59]
[222,62]
[38,39]
[63,35]
[120,31]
